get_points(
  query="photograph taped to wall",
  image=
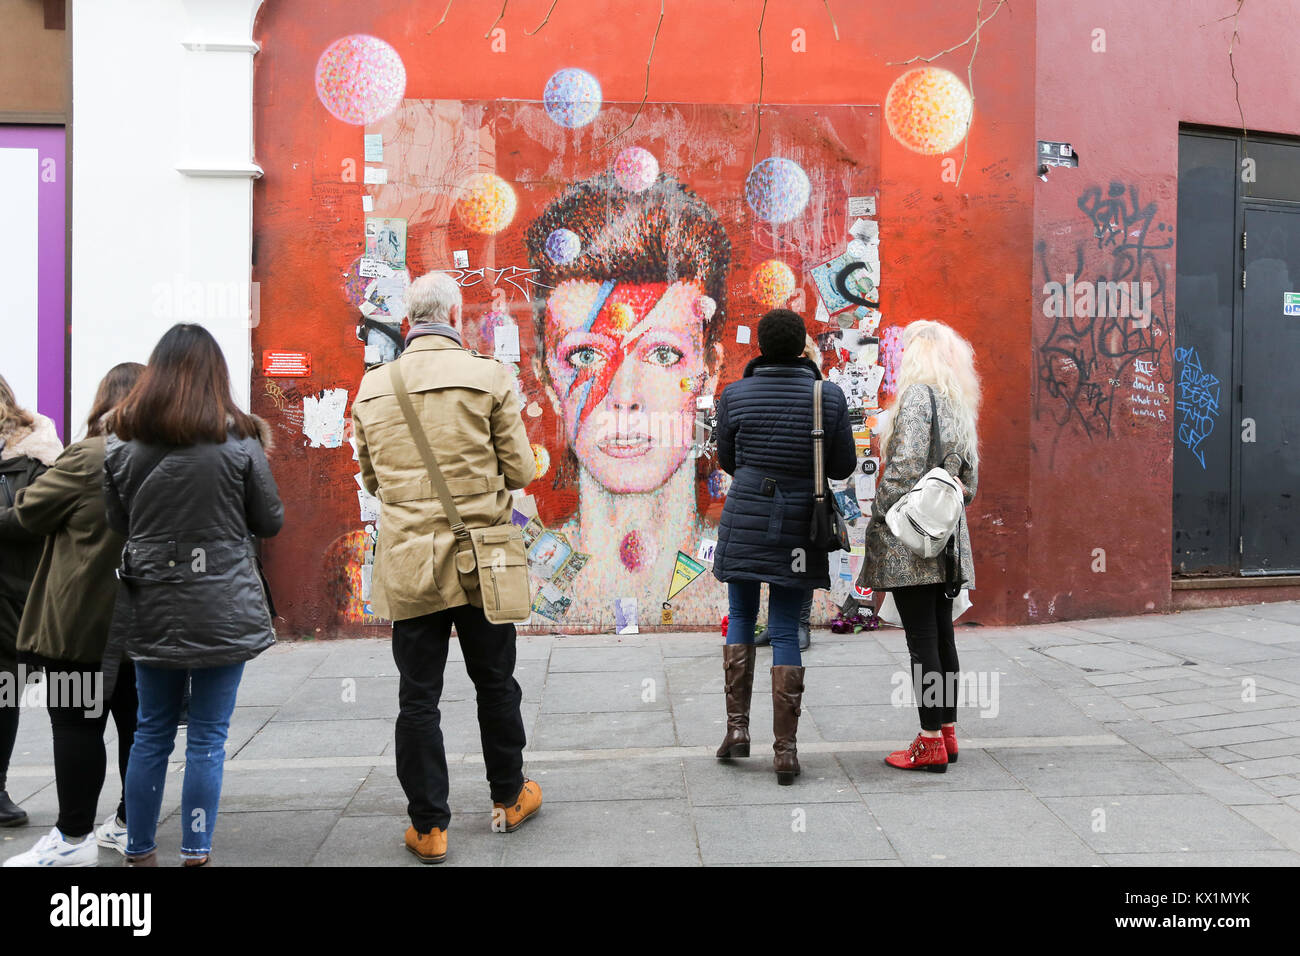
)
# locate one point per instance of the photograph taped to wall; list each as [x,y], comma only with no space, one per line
[386,240]
[628,273]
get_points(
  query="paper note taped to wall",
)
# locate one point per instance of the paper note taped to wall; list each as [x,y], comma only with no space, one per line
[742,334]
[322,418]
[506,344]
[374,147]
[625,616]
[376,176]
[862,206]
[367,203]
[369,505]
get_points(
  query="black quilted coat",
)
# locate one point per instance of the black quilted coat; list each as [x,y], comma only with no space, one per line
[764,432]
[191,594]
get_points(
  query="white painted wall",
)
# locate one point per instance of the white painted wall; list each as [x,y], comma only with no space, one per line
[162,195]
[18,251]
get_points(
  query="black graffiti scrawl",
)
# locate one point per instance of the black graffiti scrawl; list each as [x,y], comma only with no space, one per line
[1097,338]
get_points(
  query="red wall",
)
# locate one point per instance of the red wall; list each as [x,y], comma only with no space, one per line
[962,254]
[1164,63]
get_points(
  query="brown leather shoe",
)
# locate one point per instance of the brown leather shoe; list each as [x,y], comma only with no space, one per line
[142,859]
[738,678]
[507,818]
[787,693]
[429,847]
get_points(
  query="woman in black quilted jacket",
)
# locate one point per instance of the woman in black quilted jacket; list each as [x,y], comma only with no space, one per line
[188,484]
[765,443]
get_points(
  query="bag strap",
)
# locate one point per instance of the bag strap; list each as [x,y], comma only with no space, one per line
[422,445]
[819,465]
[934,431]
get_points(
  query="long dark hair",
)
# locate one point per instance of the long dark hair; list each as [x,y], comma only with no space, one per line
[114,387]
[183,397]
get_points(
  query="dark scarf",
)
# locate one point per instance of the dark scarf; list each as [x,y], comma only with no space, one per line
[433,328]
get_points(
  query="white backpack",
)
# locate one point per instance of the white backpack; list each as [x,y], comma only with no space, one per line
[926,517]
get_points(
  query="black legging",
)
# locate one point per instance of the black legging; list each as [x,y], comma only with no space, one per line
[79,758]
[8,725]
[927,618]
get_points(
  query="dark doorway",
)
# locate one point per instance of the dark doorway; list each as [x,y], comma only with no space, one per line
[1237,345]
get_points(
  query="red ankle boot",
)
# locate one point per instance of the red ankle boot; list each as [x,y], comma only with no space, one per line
[950,742]
[926,753]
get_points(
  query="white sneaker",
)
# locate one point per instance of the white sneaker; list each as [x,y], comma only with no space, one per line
[111,835]
[53,850]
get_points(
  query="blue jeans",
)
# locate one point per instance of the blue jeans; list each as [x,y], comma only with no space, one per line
[212,701]
[784,606]
[805,618]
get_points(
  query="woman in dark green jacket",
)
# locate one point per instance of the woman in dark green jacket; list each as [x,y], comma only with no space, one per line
[64,630]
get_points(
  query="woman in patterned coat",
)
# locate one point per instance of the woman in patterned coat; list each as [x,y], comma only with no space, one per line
[935,359]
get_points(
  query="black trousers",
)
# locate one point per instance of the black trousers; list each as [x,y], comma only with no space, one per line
[927,618]
[420,651]
[79,758]
[9,711]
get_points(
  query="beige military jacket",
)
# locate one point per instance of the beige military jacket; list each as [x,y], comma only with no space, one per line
[467,405]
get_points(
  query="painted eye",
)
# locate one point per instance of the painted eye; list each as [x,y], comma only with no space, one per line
[584,356]
[664,355]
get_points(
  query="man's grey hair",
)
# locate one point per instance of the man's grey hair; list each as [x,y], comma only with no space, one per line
[431,298]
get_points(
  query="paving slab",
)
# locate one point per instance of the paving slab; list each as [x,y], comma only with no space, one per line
[1088,771]
[1158,823]
[977,828]
[626,833]
[789,832]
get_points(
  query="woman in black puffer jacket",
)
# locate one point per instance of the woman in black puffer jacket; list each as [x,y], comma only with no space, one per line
[188,485]
[765,442]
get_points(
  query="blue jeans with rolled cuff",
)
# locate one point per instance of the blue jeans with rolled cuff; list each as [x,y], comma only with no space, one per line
[784,606]
[212,701]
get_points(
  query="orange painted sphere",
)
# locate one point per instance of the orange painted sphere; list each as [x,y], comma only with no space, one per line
[928,110]
[772,283]
[486,203]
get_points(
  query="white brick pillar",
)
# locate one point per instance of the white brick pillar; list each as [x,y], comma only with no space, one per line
[162,192]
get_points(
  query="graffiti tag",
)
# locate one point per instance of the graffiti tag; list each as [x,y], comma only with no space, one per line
[1198,402]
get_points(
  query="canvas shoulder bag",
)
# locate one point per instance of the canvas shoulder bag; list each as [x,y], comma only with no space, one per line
[492,562]
[925,518]
[830,532]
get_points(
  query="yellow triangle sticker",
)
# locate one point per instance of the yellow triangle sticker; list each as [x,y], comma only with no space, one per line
[686,570]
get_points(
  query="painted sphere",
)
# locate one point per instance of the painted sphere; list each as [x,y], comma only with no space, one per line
[637,550]
[928,110]
[487,203]
[636,169]
[543,459]
[772,283]
[621,316]
[572,98]
[705,307]
[777,189]
[360,79]
[563,246]
[488,326]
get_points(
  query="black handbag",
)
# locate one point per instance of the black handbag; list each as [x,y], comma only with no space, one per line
[830,532]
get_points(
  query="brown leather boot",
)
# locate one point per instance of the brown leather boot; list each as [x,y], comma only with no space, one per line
[430,847]
[787,692]
[738,677]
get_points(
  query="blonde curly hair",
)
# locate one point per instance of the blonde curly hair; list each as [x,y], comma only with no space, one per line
[933,354]
[12,416]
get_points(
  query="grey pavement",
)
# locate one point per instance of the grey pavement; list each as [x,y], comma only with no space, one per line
[1155,740]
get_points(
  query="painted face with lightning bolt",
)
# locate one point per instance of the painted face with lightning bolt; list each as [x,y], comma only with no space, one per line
[628,362]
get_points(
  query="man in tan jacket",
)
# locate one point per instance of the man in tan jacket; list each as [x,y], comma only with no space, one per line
[467,407]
